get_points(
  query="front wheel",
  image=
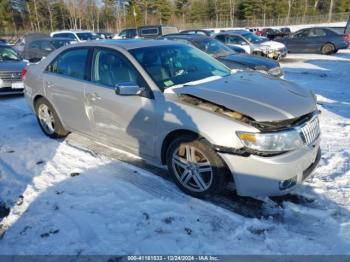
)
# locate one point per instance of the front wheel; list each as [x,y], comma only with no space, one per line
[328,49]
[195,166]
[48,119]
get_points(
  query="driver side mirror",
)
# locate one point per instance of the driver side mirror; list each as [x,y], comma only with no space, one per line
[129,89]
[243,43]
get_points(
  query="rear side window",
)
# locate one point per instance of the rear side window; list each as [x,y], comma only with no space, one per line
[316,32]
[71,63]
[232,39]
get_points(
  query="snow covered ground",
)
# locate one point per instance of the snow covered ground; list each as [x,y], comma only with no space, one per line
[64,200]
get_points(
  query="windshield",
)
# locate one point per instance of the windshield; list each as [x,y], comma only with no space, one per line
[8,54]
[213,47]
[253,38]
[172,65]
[86,36]
[58,43]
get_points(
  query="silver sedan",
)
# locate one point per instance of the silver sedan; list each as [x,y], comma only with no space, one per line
[176,106]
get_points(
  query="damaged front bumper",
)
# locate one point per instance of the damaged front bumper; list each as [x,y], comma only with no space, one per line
[268,176]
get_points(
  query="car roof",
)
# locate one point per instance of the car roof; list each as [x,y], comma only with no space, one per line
[234,32]
[71,31]
[188,36]
[52,39]
[129,44]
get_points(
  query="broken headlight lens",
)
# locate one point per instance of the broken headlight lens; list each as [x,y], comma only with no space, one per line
[272,142]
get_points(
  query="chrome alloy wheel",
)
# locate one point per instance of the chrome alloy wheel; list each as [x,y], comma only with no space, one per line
[192,168]
[46,119]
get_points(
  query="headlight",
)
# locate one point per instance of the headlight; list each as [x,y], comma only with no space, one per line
[272,142]
[277,71]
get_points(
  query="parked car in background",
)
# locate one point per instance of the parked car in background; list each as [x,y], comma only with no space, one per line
[150,31]
[26,38]
[128,33]
[176,106]
[199,32]
[316,40]
[286,31]
[227,56]
[105,35]
[155,31]
[37,49]
[3,42]
[253,44]
[272,33]
[75,35]
[11,67]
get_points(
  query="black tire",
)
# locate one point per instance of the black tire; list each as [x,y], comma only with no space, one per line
[58,130]
[328,49]
[220,173]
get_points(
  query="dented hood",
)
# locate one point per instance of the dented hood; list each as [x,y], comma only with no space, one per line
[255,95]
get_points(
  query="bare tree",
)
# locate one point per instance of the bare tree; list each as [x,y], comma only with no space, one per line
[330,10]
[36,15]
[232,12]
[48,4]
[290,4]
[30,16]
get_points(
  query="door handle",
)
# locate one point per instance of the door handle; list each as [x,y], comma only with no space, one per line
[95,97]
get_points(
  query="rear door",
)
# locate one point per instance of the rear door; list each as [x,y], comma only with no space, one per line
[126,121]
[65,81]
[300,42]
[317,38]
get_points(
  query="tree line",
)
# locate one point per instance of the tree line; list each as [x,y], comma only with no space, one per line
[113,15]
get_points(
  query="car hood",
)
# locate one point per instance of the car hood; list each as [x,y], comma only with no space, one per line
[251,61]
[272,44]
[255,95]
[12,66]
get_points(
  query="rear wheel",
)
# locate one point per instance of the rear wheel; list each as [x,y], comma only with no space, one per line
[328,49]
[48,119]
[195,166]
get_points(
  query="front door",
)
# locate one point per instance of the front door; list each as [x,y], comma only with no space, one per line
[127,121]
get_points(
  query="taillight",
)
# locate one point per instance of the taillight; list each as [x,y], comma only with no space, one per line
[24,72]
[346,38]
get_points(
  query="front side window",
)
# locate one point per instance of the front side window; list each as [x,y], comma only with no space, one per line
[235,40]
[252,38]
[303,33]
[213,47]
[171,65]
[110,68]
[71,63]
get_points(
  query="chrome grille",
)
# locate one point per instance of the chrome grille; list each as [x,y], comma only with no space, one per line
[10,77]
[310,131]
